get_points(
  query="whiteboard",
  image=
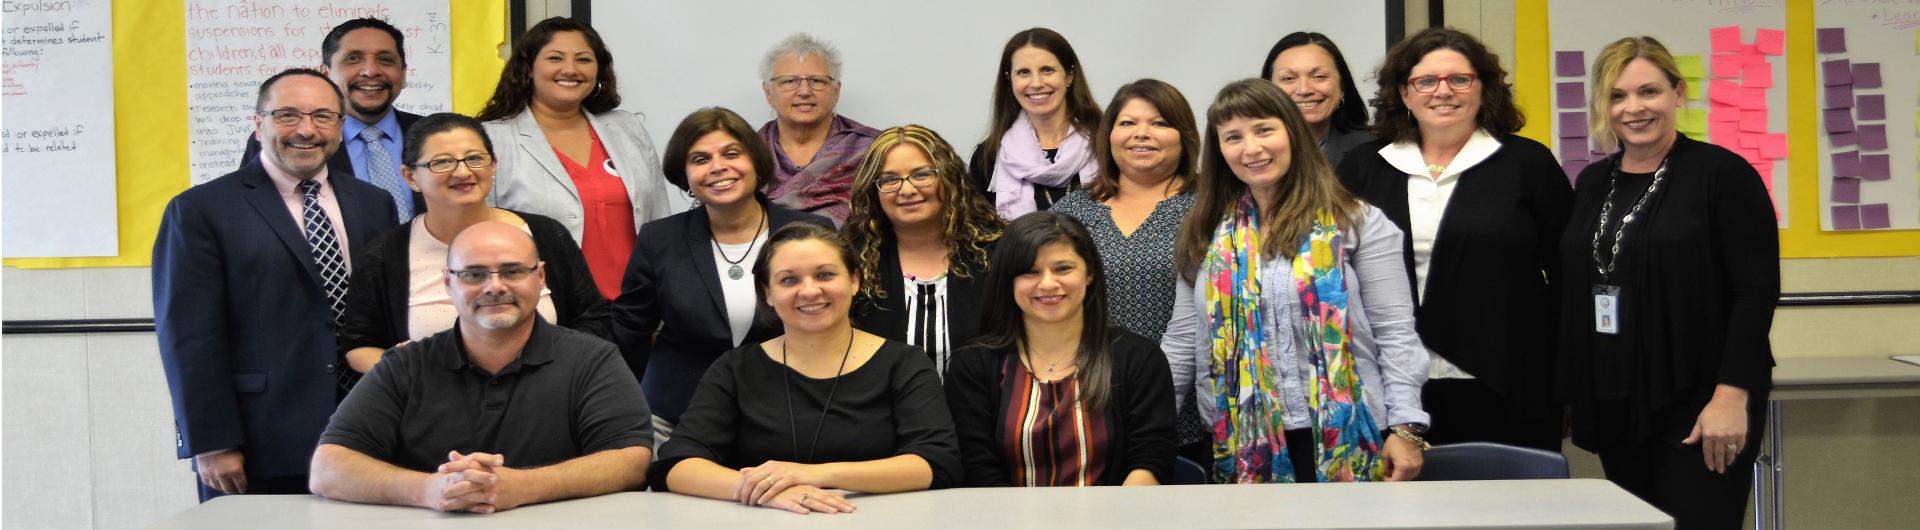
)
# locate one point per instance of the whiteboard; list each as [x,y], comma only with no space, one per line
[1686,28]
[933,64]
[1882,37]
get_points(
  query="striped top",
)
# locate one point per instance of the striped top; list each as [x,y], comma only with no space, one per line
[1051,439]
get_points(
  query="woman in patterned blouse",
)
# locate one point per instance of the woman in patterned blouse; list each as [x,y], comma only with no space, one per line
[925,235]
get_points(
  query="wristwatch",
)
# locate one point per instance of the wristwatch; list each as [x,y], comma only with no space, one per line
[1412,432]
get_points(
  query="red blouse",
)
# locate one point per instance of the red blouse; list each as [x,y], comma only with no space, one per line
[1050,439]
[608,232]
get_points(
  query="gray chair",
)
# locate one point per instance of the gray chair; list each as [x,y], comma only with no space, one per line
[1491,461]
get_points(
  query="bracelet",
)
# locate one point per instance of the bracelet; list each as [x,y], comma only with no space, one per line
[1403,432]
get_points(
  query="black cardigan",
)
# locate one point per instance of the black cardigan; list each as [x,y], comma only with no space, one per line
[887,316]
[1489,306]
[671,316]
[1700,274]
[376,313]
[1139,411]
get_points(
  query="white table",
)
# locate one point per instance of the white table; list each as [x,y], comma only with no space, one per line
[1805,378]
[1577,503]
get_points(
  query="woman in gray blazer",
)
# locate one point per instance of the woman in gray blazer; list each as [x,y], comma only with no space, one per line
[567,152]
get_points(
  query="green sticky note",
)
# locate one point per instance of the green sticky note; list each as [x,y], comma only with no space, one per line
[1690,66]
[1692,121]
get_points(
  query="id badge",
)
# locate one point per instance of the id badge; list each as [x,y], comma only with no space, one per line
[1606,309]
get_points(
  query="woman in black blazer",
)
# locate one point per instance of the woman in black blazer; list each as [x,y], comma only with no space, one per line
[914,211]
[1483,210]
[1053,394]
[398,295]
[687,295]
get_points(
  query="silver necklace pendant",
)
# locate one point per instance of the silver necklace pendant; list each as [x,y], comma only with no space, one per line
[735,272]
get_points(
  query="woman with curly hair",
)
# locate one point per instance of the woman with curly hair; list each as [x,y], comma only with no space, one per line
[922,234]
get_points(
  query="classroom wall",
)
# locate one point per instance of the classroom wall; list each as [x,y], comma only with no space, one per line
[87,429]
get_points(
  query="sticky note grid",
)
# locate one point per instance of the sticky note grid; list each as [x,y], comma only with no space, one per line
[1570,103]
[1738,76]
[1855,130]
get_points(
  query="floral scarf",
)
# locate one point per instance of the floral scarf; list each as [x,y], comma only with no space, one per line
[1249,437]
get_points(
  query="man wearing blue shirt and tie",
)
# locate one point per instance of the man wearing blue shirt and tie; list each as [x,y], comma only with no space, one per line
[366,58]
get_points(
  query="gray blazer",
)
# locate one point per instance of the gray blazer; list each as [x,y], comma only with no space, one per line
[1387,352]
[531,179]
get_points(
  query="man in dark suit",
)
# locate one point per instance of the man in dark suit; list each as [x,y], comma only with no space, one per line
[249,271]
[367,59]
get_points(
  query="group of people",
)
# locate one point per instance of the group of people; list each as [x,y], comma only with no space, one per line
[389,308]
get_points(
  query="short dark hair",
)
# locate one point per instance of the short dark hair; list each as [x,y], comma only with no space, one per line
[437,123]
[708,120]
[331,44]
[266,87]
[1346,117]
[793,232]
[1497,115]
[1003,324]
[1171,105]
[515,90]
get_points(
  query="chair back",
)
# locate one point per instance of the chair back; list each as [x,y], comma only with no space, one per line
[1491,461]
[1186,471]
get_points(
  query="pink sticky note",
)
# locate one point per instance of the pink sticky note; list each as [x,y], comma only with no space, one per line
[1726,39]
[1872,107]
[1838,120]
[1875,167]
[1846,164]
[1752,98]
[1723,92]
[1752,155]
[1758,75]
[1846,217]
[1845,189]
[1774,146]
[1728,65]
[1752,141]
[1839,96]
[1753,121]
[1866,75]
[1874,217]
[1723,112]
[1722,133]
[1832,40]
[1765,169]
[1872,136]
[1770,41]
[1836,72]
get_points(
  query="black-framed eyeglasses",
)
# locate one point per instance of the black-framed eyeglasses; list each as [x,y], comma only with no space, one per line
[790,83]
[1431,83]
[478,276]
[447,165]
[920,179]
[290,117]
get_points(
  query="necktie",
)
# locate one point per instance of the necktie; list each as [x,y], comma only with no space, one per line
[380,172]
[326,250]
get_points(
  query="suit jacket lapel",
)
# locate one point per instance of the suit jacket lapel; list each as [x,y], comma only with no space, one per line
[700,251]
[536,146]
[266,202]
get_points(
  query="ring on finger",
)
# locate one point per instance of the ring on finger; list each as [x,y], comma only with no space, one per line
[803,498]
[1731,446]
[769,480]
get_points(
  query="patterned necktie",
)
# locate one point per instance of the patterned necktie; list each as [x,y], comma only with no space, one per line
[380,172]
[326,250]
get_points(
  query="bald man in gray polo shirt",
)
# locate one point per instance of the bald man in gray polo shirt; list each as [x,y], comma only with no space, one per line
[501,411]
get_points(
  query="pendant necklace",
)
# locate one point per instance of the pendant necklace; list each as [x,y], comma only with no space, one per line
[733,270]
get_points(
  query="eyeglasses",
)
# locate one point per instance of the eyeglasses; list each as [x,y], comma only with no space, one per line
[790,83]
[478,276]
[290,117]
[919,179]
[447,165]
[1431,83]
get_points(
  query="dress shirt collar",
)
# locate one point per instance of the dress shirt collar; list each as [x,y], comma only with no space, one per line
[287,184]
[1405,155]
[389,125]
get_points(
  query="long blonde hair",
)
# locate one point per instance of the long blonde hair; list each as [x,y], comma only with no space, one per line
[968,224]
[1607,66]
[1307,188]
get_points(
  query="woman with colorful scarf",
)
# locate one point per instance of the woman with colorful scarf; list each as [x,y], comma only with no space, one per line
[1293,323]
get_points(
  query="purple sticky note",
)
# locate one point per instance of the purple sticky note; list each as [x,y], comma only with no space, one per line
[1832,40]
[1571,122]
[1843,139]
[1770,41]
[1753,121]
[1875,167]
[1572,95]
[1846,164]
[1846,217]
[1728,65]
[1572,149]
[1872,107]
[1573,168]
[1866,75]
[1836,72]
[1838,120]
[1839,96]
[1872,136]
[1875,216]
[1845,189]
[1725,39]
[1570,63]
